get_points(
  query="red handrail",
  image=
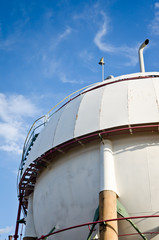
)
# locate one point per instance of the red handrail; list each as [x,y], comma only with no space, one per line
[18,218]
[100,221]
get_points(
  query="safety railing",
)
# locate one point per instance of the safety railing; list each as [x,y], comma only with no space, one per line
[67,99]
[38,124]
[105,222]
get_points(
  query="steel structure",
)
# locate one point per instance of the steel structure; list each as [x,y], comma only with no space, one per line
[99,147]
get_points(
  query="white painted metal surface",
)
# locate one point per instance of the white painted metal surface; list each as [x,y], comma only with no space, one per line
[89,113]
[48,133]
[30,228]
[45,139]
[66,193]
[142,102]
[117,104]
[107,167]
[114,106]
[67,121]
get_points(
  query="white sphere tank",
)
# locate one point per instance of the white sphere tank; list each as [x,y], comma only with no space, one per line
[61,179]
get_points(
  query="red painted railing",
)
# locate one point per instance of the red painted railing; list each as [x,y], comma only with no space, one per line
[102,221]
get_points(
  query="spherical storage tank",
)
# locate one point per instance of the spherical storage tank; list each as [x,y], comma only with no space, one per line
[101,149]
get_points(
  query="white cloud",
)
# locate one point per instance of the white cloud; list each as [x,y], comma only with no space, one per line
[86,55]
[10,130]
[154,25]
[15,106]
[51,66]
[7,44]
[88,59]
[14,112]
[11,41]
[54,68]
[128,52]
[64,79]
[48,15]
[12,148]
[5,230]
[100,34]
[62,36]
[67,31]
[157,5]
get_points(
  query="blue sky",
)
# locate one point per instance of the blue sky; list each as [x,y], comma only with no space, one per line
[48,49]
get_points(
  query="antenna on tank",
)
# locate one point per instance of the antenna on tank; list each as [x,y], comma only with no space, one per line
[101,62]
[141,58]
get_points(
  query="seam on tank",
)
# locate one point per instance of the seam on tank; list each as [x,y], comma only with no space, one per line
[101,107]
[156,99]
[149,182]
[65,109]
[128,108]
[82,96]
[62,110]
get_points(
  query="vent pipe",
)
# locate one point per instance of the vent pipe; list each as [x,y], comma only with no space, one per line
[141,58]
[102,64]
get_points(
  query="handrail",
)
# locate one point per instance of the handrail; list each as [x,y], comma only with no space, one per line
[70,96]
[45,117]
[99,222]
[30,131]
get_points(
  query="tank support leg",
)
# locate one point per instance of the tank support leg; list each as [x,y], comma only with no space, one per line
[108,210]
[29,238]
[108,192]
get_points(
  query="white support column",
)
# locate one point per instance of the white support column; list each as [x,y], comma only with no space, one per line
[107,169]
[108,193]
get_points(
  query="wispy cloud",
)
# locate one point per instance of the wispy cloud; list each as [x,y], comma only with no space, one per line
[61,37]
[7,44]
[88,59]
[65,79]
[154,25]
[52,65]
[126,51]
[12,40]
[86,55]
[5,230]
[157,5]
[103,31]
[65,33]
[14,112]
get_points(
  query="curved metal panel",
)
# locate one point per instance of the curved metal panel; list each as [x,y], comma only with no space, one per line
[45,139]
[132,101]
[152,155]
[156,88]
[142,105]
[48,133]
[56,199]
[30,228]
[114,110]
[89,113]
[132,172]
[66,124]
